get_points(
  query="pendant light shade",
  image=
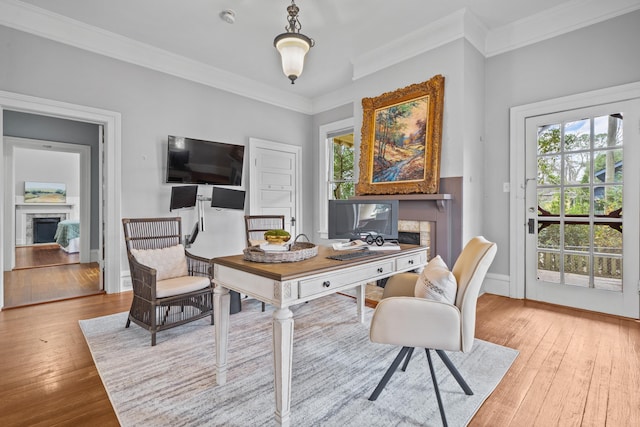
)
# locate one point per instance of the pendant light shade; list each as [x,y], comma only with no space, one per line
[292,45]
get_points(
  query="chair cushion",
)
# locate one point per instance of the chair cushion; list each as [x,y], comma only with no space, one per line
[168,262]
[436,282]
[180,285]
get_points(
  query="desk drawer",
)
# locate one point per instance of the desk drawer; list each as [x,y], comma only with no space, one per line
[411,261]
[331,282]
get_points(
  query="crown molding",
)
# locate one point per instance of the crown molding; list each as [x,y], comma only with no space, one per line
[559,20]
[335,99]
[43,23]
[459,24]
[553,22]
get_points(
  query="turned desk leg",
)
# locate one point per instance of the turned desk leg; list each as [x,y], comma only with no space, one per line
[221,302]
[282,363]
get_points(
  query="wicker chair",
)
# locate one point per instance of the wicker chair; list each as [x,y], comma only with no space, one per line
[256,225]
[162,300]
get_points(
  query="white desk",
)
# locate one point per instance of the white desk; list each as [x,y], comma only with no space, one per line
[285,284]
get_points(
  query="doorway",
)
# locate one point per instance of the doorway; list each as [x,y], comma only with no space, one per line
[109,172]
[581,250]
[274,181]
[574,158]
[51,184]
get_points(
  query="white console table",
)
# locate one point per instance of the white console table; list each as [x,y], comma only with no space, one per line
[285,284]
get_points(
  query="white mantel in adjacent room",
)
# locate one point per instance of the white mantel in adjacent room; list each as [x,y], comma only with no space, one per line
[25,212]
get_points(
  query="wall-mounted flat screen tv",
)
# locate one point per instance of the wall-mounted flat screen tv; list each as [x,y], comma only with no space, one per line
[355,219]
[227,198]
[183,196]
[196,161]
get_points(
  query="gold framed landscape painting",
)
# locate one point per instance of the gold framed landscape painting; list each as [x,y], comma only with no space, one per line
[401,140]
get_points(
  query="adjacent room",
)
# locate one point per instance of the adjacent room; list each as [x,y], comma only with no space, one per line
[320,213]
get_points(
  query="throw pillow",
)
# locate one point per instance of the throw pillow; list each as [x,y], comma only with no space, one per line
[436,282]
[169,262]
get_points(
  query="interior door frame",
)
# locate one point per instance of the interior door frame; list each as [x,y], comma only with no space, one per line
[255,143]
[112,123]
[518,180]
[84,159]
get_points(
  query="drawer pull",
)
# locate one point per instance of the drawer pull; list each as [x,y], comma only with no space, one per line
[326,284]
[380,269]
[410,262]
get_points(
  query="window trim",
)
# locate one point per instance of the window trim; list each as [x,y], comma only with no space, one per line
[323,169]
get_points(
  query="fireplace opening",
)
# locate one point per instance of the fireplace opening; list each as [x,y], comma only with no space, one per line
[44,229]
[409,238]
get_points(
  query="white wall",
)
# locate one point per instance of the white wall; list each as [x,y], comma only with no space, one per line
[153,105]
[595,57]
[44,166]
[472,124]
[462,151]
[447,60]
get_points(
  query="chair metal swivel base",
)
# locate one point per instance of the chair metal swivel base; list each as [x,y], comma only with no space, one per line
[405,354]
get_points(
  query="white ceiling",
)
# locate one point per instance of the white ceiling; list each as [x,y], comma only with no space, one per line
[346,32]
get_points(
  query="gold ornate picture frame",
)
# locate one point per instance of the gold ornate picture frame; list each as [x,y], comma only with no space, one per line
[401,140]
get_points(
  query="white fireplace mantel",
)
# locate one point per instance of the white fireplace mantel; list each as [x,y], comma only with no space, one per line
[37,207]
[25,211]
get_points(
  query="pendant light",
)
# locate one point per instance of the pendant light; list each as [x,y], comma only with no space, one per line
[293,45]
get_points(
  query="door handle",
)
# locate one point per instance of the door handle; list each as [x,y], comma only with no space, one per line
[532,226]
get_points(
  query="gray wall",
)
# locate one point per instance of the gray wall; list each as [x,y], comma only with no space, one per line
[33,126]
[595,57]
[154,105]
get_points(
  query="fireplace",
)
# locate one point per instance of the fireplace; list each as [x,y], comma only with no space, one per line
[44,229]
[436,217]
[415,233]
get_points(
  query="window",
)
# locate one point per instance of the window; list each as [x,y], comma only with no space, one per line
[341,174]
[337,167]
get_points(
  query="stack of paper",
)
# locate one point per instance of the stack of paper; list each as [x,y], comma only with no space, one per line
[268,247]
[354,244]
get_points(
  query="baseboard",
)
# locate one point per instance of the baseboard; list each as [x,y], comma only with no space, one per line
[497,284]
[94,255]
[125,282]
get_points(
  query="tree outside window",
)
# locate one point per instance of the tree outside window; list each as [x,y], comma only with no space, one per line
[342,177]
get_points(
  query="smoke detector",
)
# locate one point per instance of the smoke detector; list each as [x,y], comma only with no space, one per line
[228,16]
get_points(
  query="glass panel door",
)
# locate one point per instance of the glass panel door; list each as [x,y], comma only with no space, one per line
[581,173]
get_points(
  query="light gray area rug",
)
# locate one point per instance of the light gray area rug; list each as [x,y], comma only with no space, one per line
[335,369]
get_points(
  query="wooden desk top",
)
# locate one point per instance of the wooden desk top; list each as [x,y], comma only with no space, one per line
[318,264]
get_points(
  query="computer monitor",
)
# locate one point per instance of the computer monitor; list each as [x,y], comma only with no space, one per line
[184,196]
[227,198]
[194,234]
[359,218]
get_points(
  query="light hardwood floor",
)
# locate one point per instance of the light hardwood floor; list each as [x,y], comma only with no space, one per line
[47,273]
[574,368]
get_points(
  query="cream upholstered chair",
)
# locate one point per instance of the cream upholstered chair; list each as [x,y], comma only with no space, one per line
[170,286]
[403,319]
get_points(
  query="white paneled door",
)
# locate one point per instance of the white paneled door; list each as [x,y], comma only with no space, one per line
[582,198]
[274,181]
